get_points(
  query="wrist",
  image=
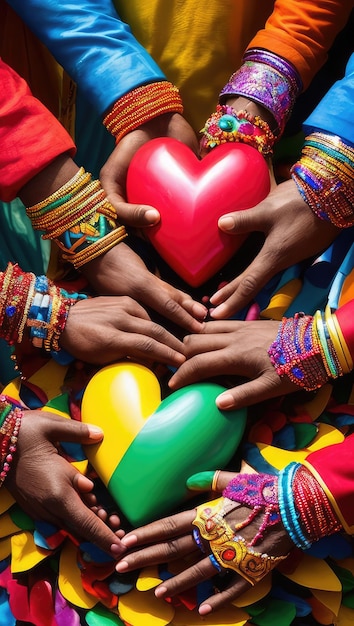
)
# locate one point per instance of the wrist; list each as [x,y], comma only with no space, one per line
[48,180]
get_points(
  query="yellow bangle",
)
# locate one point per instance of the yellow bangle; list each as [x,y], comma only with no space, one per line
[98,248]
[338,341]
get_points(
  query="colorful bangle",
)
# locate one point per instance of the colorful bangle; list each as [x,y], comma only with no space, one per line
[227,125]
[267,79]
[79,218]
[288,512]
[324,176]
[142,105]
[338,341]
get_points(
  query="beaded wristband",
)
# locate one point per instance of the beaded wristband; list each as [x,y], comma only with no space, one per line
[324,176]
[267,79]
[227,125]
[142,105]
[260,493]
[79,218]
[288,512]
[305,352]
[33,303]
[10,422]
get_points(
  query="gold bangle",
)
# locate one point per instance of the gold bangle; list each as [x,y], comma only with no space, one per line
[98,248]
[338,340]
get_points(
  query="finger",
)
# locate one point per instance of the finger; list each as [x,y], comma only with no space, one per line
[248,221]
[155,331]
[170,308]
[210,481]
[253,391]
[167,528]
[200,367]
[190,577]
[142,347]
[160,553]
[135,215]
[223,598]
[62,429]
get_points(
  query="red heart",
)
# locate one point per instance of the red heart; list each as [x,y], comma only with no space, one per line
[191,195]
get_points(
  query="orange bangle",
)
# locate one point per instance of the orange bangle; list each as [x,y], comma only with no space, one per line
[140,106]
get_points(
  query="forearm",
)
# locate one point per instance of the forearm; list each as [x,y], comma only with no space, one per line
[93,45]
[303,32]
[31,138]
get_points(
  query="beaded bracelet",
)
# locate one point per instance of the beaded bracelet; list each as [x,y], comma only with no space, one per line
[305,352]
[305,510]
[227,125]
[267,79]
[10,422]
[33,303]
[142,105]
[324,176]
[79,218]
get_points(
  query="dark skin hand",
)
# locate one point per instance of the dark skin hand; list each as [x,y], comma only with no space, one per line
[113,173]
[109,328]
[171,539]
[234,348]
[292,233]
[122,272]
[49,488]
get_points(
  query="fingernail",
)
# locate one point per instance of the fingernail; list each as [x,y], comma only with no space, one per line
[225,401]
[200,310]
[122,566]
[203,480]
[160,591]
[95,431]
[204,609]
[129,540]
[152,216]
[116,549]
[226,223]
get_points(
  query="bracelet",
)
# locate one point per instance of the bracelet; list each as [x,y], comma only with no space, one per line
[324,176]
[288,512]
[142,105]
[267,79]
[79,218]
[10,422]
[227,125]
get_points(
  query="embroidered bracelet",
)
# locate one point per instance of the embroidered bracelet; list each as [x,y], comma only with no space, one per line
[267,79]
[142,105]
[79,218]
[324,176]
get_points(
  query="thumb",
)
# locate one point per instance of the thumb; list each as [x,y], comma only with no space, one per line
[209,481]
[61,428]
[134,215]
[246,221]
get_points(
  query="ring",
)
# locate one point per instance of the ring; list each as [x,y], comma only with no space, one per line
[215,480]
[214,563]
[198,540]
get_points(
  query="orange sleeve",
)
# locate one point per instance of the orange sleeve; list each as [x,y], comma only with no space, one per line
[303,31]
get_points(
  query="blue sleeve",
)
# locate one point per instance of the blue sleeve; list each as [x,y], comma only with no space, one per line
[92,44]
[334,114]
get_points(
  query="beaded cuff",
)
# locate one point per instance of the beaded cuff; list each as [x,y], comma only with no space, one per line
[79,218]
[324,176]
[304,507]
[10,422]
[267,79]
[35,304]
[140,106]
[305,351]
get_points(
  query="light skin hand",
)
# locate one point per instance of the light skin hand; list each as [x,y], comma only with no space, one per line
[237,349]
[113,173]
[171,539]
[122,272]
[105,329]
[49,488]
[292,233]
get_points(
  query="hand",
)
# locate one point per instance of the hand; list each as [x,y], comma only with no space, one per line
[114,172]
[49,488]
[293,233]
[122,272]
[171,538]
[108,328]
[238,349]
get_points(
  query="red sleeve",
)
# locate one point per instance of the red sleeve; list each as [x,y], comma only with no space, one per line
[30,136]
[333,467]
[303,31]
[345,317]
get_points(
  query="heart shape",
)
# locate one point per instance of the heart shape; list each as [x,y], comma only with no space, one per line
[150,446]
[191,195]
